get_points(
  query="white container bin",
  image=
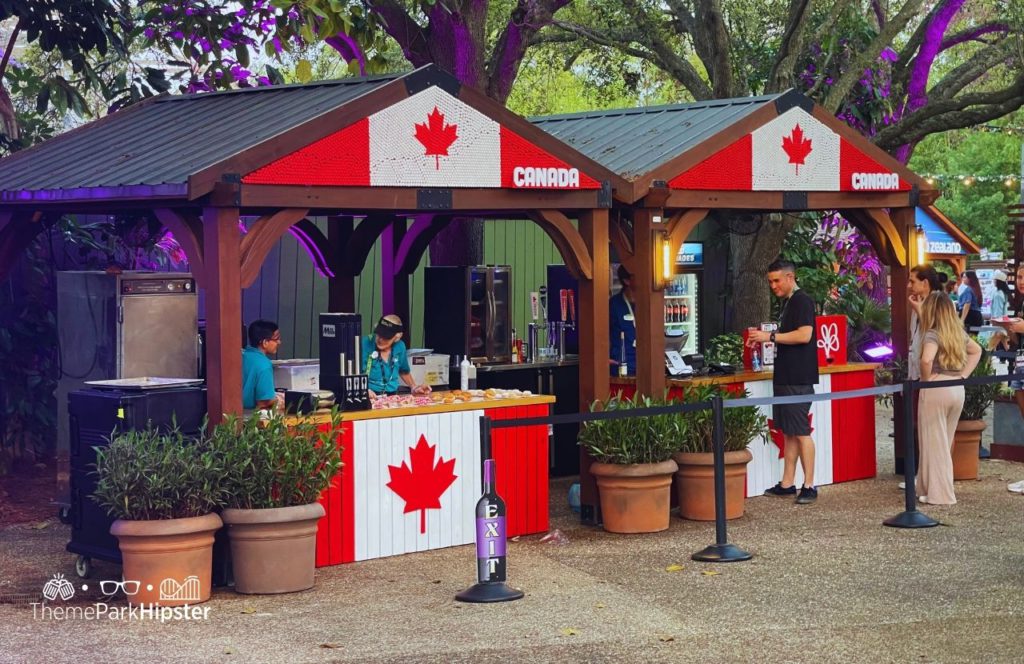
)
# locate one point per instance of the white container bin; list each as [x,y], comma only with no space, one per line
[297,374]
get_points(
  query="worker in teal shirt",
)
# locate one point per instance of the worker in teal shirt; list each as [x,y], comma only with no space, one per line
[257,370]
[385,359]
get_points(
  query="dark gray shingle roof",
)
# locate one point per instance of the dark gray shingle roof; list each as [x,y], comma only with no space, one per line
[635,141]
[165,140]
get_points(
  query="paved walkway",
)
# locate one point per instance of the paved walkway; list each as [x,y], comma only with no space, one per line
[828,583]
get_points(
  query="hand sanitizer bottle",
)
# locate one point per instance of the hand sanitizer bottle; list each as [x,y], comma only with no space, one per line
[464,373]
[755,361]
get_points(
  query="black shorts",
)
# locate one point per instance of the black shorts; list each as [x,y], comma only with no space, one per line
[792,418]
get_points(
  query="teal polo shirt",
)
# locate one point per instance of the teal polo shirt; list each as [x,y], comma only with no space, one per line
[383,376]
[257,377]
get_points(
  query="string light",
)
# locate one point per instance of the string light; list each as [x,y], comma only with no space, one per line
[967,179]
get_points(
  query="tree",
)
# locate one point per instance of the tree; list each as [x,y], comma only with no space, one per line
[481,42]
[897,72]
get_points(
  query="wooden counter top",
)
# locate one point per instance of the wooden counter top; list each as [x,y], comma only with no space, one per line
[748,376]
[322,418]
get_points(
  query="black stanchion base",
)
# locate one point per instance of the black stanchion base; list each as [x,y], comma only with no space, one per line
[489,592]
[911,519]
[722,553]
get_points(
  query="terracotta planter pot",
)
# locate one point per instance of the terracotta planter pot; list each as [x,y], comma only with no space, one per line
[635,498]
[273,550]
[172,559]
[695,484]
[966,442]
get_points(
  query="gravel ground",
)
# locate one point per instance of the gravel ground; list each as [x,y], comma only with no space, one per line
[828,583]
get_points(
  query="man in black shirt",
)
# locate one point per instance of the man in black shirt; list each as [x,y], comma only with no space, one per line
[796,373]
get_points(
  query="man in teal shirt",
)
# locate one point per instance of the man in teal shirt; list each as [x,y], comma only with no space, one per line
[257,370]
[385,359]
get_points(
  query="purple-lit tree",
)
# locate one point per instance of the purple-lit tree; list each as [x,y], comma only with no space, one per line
[896,71]
[481,42]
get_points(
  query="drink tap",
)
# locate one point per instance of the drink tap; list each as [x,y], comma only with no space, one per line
[567,299]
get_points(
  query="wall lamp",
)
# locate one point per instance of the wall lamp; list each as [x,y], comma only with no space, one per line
[922,246]
[663,271]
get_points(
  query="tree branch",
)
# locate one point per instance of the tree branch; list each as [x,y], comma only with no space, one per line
[526,20]
[841,88]
[10,47]
[711,41]
[971,70]
[403,29]
[973,34]
[784,69]
[943,115]
[609,40]
[917,84]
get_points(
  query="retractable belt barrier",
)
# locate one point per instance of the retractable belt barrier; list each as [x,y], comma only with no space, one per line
[721,550]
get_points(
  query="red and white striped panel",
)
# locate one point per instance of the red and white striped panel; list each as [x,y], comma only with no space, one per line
[792,152]
[430,139]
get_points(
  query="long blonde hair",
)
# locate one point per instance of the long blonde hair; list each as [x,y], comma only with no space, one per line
[939,314]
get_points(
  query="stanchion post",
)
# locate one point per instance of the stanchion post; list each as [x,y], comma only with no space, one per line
[491,540]
[910,517]
[721,551]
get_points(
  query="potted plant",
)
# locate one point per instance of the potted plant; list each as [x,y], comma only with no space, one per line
[274,475]
[695,479]
[163,489]
[967,438]
[725,349]
[633,464]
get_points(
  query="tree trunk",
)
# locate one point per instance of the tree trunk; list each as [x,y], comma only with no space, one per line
[460,243]
[751,255]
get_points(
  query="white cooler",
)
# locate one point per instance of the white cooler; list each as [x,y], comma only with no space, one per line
[301,375]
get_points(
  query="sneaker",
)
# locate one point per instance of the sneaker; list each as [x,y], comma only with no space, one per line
[1016,487]
[808,495]
[903,485]
[922,499]
[779,490]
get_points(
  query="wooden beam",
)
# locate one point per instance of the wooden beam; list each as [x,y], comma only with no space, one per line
[416,241]
[394,283]
[188,231]
[866,225]
[362,240]
[221,239]
[568,240]
[902,223]
[262,237]
[317,245]
[898,239]
[595,346]
[341,288]
[623,246]
[650,307]
[681,225]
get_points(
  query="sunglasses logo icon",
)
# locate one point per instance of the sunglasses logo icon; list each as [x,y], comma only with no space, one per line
[109,587]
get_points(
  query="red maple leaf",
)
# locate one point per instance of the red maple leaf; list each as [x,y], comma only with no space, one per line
[779,438]
[422,484]
[797,147]
[436,136]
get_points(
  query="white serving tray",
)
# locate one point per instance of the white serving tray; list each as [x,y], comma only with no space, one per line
[144,383]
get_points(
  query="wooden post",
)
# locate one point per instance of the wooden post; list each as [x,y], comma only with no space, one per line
[394,284]
[594,343]
[650,306]
[341,288]
[222,243]
[899,275]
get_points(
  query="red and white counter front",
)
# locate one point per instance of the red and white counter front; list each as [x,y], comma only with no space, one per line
[412,477]
[843,430]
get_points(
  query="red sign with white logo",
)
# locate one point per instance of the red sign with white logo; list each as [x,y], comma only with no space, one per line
[831,331]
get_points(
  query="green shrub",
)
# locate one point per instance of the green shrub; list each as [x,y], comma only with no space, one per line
[632,440]
[725,349]
[742,424]
[272,464]
[978,398]
[148,475]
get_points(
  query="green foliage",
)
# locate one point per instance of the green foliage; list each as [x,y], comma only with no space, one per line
[978,398]
[632,440]
[742,424]
[149,475]
[271,464]
[725,349]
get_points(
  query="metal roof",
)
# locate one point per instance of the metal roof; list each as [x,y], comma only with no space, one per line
[164,140]
[634,141]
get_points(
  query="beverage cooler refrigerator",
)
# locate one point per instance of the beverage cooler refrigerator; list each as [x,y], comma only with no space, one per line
[682,301]
[469,312]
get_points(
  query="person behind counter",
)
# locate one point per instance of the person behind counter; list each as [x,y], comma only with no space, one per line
[385,359]
[622,325]
[257,370]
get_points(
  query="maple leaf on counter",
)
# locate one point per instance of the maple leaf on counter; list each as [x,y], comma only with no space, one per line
[422,483]
[797,147]
[436,136]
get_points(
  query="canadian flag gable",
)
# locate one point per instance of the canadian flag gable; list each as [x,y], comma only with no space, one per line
[859,172]
[795,152]
[341,159]
[726,170]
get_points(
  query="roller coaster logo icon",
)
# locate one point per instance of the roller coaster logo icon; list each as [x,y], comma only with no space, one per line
[187,591]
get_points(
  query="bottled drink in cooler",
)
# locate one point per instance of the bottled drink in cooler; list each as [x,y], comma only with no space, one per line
[685,312]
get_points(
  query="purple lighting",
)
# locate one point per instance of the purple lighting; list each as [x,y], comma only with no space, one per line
[878,351]
[315,255]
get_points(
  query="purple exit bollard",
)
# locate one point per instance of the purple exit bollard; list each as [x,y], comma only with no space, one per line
[491,547]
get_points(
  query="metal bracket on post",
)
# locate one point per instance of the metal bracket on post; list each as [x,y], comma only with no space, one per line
[910,517]
[721,551]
